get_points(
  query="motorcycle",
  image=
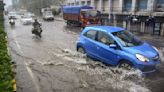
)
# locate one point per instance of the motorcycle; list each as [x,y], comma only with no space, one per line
[37,31]
[12,22]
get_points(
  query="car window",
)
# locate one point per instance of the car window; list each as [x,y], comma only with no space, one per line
[91,34]
[104,38]
[127,39]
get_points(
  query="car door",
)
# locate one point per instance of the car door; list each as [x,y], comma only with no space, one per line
[107,54]
[90,43]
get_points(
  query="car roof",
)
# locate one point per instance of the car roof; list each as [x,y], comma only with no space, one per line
[108,29]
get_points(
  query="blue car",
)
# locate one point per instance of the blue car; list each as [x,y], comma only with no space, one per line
[118,47]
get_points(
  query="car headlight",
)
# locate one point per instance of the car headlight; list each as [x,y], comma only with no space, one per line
[142,58]
[155,48]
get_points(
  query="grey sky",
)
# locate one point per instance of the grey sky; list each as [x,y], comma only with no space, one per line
[7,2]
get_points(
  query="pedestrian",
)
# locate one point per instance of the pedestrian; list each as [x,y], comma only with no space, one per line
[162,29]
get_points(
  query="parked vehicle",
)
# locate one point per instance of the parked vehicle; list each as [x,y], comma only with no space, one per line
[26,20]
[118,47]
[47,14]
[81,15]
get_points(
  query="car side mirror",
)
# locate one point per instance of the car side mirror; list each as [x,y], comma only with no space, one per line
[114,46]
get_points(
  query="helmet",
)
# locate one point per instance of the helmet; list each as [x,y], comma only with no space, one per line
[35,20]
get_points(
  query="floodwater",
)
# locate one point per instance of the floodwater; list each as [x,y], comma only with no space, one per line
[51,64]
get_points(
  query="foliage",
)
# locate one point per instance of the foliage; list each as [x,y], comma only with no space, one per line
[35,6]
[56,10]
[6,74]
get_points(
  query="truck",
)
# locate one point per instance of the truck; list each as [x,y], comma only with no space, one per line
[47,14]
[81,15]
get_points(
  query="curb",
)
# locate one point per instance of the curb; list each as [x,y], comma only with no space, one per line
[14,85]
[12,65]
[13,70]
[13,81]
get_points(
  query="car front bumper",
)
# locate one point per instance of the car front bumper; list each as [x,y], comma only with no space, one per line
[148,67]
[49,18]
[27,22]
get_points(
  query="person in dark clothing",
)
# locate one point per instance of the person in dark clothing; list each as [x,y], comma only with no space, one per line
[36,24]
[99,15]
[37,28]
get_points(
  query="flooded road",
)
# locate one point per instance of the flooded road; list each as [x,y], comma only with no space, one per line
[51,64]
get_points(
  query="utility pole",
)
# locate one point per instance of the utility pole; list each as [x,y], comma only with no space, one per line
[1,9]
[75,2]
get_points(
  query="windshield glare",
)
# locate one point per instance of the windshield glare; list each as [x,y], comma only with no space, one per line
[26,16]
[49,14]
[91,13]
[12,13]
[127,39]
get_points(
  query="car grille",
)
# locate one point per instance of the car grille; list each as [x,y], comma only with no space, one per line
[93,21]
[148,68]
[156,58]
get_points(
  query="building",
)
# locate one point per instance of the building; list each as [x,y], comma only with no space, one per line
[78,2]
[14,2]
[144,16]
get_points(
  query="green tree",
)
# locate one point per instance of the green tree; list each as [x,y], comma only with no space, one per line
[36,5]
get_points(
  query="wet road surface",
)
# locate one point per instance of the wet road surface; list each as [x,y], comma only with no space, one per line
[51,64]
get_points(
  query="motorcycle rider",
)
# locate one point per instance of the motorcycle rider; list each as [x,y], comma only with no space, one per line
[37,28]
[36,24]
[11,20]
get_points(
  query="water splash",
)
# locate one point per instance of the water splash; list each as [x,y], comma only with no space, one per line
[103,76]
[131,81]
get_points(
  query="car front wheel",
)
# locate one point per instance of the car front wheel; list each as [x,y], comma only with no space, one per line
[125,65]
[81,50]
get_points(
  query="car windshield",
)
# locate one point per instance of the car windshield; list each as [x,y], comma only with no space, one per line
[91,13]
[29,14]
[49,14]
[12,13]
[127,39]
[26,16]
